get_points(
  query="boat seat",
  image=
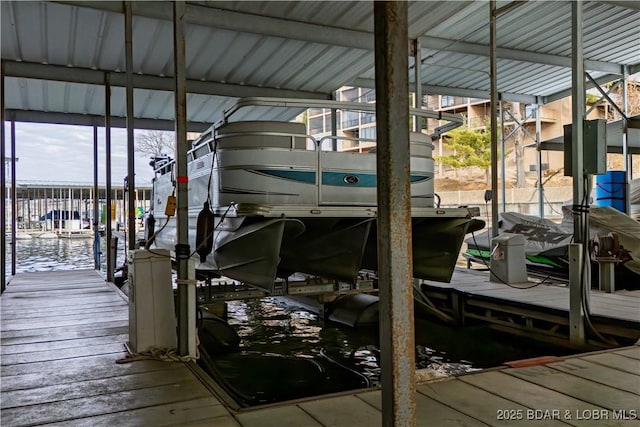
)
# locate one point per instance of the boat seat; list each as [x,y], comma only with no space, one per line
[262,134]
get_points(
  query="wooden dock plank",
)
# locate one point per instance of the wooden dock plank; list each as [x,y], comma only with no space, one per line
[428,411]
[62,321]
[28,293]
[633,352]
[577,387]
[343,411]
[65,330]
[179,413]
[61,354]
[535,397]
[476,402]
[600,374]
[89,388]
[63,302]
[60,344]
[100,367]
[278,416]
[617,361]
[56,365]
[224,421]
[64,334]
[103,404]
[37,313]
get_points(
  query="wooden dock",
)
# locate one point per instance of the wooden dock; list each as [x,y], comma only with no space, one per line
[62,332]
[534,311]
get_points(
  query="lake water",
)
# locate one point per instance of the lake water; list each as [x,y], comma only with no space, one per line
[277,326]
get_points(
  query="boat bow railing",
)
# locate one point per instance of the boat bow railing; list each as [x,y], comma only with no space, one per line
[455,120]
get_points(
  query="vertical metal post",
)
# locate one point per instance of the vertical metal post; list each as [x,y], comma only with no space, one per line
[334,126]
[69,210]
[108,202]
[28,208]
[128,41]
[3,189]
[394,215]
[14,193]
[493,76]
[578,277]
[182,218]
[96,235]
[539,162]
[626,160]
[62,205]
[503,163]
[417,76]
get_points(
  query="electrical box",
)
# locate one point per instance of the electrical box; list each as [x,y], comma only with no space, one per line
[152,320]
[594,145]
[508,262]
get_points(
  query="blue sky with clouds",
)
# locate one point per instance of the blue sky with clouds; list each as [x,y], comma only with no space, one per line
[62,153]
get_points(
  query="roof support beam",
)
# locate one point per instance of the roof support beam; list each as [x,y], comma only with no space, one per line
[514,54]
[32,70]
[587,85]
[455,91]
[622,3]
[31,116]
[278,27]
[242,22]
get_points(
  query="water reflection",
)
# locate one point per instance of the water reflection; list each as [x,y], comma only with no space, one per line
[52,254]
[58,254]
[277,325]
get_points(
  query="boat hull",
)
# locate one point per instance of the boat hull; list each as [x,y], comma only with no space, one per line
[257,249]
[436,244]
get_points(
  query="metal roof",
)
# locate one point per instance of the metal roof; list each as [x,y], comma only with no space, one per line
[55,54]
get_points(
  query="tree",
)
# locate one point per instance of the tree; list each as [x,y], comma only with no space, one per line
[518,136]
[155,142]
[470,148]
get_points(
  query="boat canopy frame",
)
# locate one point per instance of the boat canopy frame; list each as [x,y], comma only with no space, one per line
[455,120]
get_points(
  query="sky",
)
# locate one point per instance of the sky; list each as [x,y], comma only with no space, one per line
[63,153]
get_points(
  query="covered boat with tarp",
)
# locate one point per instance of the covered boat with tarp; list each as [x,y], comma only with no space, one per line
[547,242]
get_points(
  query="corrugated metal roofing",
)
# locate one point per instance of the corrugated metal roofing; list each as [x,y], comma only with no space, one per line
[292,48]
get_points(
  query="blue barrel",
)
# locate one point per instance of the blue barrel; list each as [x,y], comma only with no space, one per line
[611,190]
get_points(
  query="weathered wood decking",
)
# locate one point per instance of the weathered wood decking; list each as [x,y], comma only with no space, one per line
[62,332]
[541,309]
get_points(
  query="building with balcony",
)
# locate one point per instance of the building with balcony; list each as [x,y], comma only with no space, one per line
[517,126]
[356,131]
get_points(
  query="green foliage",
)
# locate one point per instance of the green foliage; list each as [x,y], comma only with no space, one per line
[592,99]
[470,148]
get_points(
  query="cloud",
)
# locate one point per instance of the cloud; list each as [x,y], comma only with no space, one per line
[62,153]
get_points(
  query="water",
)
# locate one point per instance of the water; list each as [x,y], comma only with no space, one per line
[277,332]
[52,254]
[278,325]
[56,254]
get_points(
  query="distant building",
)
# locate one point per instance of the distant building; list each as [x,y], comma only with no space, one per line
[354,128]
[553,117]
[476,112]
